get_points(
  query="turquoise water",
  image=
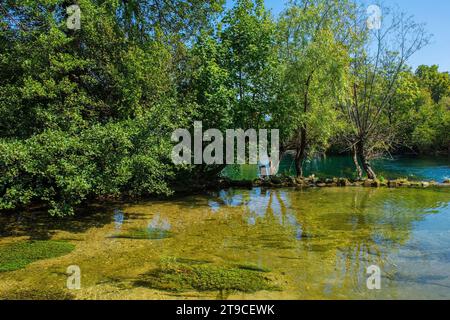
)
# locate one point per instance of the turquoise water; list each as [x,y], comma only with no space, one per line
[413,168]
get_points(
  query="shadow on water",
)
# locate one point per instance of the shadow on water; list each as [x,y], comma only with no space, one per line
[39,225]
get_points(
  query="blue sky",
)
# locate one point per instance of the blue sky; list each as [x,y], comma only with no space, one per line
[436,15]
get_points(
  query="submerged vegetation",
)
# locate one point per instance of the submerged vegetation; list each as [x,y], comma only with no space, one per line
[144,233]
[250,244]
[37,294]
[176,276]
[18,255]
[89,113]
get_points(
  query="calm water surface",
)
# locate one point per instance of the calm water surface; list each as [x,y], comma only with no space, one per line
[317,243]
[413,168]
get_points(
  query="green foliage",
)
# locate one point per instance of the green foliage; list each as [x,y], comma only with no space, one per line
[89,113]
[63,170]
[438,83]
[18,255]
[251,60]
[421,123]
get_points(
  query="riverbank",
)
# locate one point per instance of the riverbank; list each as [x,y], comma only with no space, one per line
[314,182]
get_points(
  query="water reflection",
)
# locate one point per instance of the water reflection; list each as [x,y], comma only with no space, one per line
[118,216]
[158,224]
[338,233]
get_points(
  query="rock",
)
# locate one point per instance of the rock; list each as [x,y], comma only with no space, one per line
[368,183]
[376,183]
[344,182]
[392,184]
[275,180]
[321,185]
[447,181]
[332,184]
[243,184]
[299,180]
[405,184]
[425,184]
[257,182]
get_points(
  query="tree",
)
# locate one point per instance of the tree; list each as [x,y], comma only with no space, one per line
[438,83]
[89,113]
[315,61]
[248,38]
[376,67]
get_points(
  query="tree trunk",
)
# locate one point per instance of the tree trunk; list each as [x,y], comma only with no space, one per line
[301,150]
[355,160]
[298,165]
[365,163]
[300,155]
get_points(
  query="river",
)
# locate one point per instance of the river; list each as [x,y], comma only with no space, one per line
[243,244]
[413,168]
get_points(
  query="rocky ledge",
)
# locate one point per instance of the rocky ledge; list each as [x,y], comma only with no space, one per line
[314,182]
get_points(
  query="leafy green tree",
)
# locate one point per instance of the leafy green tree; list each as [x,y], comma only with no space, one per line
[248,38]
[438,83]
[89,113]
[315,65]
[376,67]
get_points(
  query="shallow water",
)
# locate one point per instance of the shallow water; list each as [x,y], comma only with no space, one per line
[413,168]
[316,244]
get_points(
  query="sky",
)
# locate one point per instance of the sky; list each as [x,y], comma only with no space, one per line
[434,13]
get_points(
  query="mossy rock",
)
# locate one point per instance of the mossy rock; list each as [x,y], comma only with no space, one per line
[181,277]
[18,255]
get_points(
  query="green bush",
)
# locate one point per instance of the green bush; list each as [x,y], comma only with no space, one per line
[63,170]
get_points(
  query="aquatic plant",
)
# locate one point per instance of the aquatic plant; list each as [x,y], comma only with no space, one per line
[253,267]
[37,294]
[205,277]
[144,233]
[18,255]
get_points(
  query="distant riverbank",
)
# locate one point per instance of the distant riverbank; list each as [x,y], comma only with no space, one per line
[401,167]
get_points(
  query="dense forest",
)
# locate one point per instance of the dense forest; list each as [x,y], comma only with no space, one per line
[89,113]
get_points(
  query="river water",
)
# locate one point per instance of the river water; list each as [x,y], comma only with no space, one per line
[413,168]
[311,244]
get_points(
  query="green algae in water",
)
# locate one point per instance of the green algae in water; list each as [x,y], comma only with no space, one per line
[145,234]
[182,277]
[18,255]
[252,267]
[37,294]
